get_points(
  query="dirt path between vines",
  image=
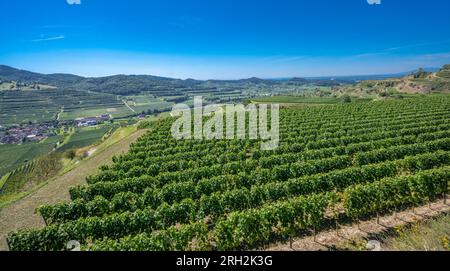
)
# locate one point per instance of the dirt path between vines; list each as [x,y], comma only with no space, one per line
[21,214]
[366,231]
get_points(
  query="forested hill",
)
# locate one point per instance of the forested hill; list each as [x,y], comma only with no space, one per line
[11,74]
[134,84]
[118,84]
[421,81]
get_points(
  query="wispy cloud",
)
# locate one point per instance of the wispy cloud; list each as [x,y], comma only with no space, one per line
[399,48]
[49,38]
[283,59]
[374,2]
[74,2]
[371,54]
[418,45]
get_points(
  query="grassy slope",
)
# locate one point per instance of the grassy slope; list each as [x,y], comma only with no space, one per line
[433,235]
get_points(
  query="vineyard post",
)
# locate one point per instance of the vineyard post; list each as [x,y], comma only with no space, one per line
[336,218]
[8,244]
[379,203]
[337,228]
[445,194]
[45,220]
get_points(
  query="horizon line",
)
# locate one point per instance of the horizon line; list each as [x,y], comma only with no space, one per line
[229,79]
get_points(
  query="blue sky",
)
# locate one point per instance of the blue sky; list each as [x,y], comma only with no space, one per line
[224,39]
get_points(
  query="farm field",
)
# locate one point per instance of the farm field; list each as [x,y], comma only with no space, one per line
[304,100]
[115,110]
[84,137]
[45,105]
[343,161]
[91,104]
[22,106]
[141,103]
[13,156]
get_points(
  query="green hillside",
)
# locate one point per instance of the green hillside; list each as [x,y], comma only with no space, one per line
[444,72]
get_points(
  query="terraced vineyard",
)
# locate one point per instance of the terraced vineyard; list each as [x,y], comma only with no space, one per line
[44,105]
[334,162]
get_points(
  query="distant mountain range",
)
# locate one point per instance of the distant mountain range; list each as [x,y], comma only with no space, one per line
[117,84]
[133,84]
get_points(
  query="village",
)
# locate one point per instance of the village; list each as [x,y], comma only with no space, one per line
[93,121]
[18,134]
[37,132]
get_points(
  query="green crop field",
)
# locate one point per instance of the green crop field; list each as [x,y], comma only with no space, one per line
[141,103]
[44,105]
[23,106]
[85,137]
[13,156]
[29,175]
[116,111]
[306,100]
[359,159]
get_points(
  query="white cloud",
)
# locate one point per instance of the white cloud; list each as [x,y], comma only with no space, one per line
[374,2]
[74,2]
[392,50]
[49,39]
